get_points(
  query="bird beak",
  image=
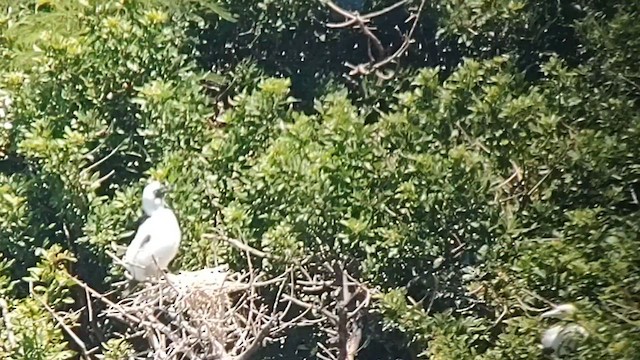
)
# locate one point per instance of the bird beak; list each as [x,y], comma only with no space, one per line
[560,311]
[165,189]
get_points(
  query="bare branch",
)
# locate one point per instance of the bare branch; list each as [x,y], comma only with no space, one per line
[240,245]
[305,305]
[357,21]
[257,342]
[67,329]
[347,14]
[101,161]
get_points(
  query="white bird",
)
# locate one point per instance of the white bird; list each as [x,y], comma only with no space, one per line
[560,312]
[562,339]
[157,240]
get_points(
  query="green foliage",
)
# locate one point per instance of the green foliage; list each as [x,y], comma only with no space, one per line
[109,91]
[426,176]
[470,184]
[91,109]
[29,331]
[117,349]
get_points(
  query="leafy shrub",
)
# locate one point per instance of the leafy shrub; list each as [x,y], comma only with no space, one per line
[483,191]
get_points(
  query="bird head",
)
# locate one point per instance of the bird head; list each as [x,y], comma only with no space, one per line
[564,311]
[563,337]
[153,196]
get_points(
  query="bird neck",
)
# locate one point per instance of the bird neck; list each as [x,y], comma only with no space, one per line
[153,206]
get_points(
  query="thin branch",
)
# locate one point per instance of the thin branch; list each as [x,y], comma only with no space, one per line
[357,21]
[104,178]
[526,307]
[241,246]
[535,187]
[371,15]
[101,161]
[505,309]
[508,180]
[257,342]
[343,331]
[471,141]
[66,328]
[385,10]
[305,305]
[361,306]
[329,354]
[405,44]
[531,293]
[353,344]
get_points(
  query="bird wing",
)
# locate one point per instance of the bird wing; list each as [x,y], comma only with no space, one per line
[166,238]
[142,237]
[155,244]
[136,256]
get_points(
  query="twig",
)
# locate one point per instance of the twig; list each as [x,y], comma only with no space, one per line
[405,44]
[116,259]
[104,178]
[505,309]
[241,246]
[89,306]
[364,303]
[385,10]
[528,307]
[100,297]
[476,290]
[97,163]
[634,197]
[471,141]
[257,342]
[305,305]
[535,187]
[353,344]
[630,82]
[371,15]
[625,319]
[434,292]
[357,21]
[508,180]
[531,293]
[329,354]
[343,331]
[66,328]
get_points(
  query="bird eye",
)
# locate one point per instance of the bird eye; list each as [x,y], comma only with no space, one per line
[160,192]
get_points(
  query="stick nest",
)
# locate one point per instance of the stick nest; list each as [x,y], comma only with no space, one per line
[216,313]
[211,313]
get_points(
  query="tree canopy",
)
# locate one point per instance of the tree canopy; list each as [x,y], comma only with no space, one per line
[474,162]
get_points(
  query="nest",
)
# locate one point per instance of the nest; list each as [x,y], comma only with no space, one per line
[216,313]
[211,313]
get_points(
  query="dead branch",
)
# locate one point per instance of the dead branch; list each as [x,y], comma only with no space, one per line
[343,331]
[240,245]
[355,21]
[476,142]
[101,161]
[205,314]
[342,313]
[66,328]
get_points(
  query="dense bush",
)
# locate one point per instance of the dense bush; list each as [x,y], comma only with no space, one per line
[499,173]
